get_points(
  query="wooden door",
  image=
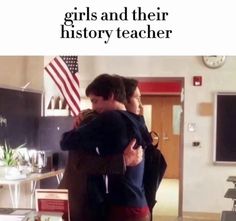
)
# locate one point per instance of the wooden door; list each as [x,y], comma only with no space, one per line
[163,116]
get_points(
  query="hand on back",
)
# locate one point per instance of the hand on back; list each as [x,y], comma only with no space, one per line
[133,156]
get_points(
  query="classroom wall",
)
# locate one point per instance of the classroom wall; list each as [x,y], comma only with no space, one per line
[19,71]
[204,183]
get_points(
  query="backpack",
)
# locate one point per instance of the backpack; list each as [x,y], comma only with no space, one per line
[155,163]
[154,169]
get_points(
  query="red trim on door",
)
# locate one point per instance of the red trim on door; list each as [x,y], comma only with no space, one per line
[147,87]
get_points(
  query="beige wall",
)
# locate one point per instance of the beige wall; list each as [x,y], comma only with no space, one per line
[17,71]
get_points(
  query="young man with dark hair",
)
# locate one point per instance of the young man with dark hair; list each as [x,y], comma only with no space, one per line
[110,132]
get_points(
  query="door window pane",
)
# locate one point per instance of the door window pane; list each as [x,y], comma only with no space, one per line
[177,110]
[147,113]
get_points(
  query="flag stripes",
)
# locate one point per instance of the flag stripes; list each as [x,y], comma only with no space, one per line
[66,81]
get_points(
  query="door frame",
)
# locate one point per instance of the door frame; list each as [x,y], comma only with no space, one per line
[171,90]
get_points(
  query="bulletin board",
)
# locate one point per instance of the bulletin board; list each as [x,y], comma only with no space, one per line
[20,111]
[225,128]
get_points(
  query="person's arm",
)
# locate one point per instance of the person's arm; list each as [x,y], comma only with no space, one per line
[133,157]
[99,165]
[104,132]
[113,164]
[86,137]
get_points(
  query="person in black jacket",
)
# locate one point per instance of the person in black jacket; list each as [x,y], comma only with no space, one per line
[83,170]
[110,132]
[154,167]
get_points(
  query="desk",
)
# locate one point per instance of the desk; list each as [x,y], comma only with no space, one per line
[232,179]
[14,185]
[231,192]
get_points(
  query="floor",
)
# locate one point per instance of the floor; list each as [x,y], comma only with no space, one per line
[172,218]
[166,208]
[167,198]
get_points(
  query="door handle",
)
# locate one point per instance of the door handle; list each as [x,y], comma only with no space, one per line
[165,137]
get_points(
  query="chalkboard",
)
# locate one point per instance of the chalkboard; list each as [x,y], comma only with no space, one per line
[21,122]
[50,133]
[225,128]
[19,117]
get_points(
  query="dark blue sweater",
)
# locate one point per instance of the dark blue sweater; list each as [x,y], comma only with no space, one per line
[111,132]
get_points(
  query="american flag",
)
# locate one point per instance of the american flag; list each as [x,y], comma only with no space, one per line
[64,72]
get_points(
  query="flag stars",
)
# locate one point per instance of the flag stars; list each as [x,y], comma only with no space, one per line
[71,62]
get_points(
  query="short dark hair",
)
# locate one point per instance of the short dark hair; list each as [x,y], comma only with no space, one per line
[130,86]
[106,85]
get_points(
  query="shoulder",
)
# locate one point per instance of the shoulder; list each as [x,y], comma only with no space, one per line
[134,117]
[110,114]
[110,117]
